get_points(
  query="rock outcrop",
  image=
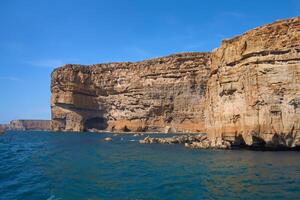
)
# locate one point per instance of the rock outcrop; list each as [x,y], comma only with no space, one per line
[191,141]
[253,93]
[4,127]
[246,92]
[173,140]
[164,95]
[210,143]
[24,125]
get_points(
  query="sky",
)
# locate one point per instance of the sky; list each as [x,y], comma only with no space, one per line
[37,36]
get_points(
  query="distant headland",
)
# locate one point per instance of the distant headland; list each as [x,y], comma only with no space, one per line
[26,125]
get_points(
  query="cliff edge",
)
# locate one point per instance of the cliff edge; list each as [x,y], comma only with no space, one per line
[25,124]
[158,95]
[253,93]
[246,92]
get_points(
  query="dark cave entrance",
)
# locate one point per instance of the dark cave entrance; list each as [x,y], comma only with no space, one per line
[98,123]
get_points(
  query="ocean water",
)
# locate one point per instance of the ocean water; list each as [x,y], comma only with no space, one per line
[45,165]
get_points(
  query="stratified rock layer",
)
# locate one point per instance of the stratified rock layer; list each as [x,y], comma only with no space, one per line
[253,93]
[4,127]
[245,92]
[23,125]
[164,94]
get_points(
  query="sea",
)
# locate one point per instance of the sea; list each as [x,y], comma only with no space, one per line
[57,166]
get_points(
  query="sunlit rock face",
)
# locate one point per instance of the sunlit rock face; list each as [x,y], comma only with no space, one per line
[163,94]
[246,92]
[24,125]
[253,93]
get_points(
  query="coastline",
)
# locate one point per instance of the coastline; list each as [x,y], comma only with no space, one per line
[188,140]
[244,92]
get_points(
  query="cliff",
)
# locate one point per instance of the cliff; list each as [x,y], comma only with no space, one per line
[253,93]
[246,92]
[23,125]
[163,94]
[4,127]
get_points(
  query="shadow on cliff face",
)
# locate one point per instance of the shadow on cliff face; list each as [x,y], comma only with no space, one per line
[277,143]
[98,123]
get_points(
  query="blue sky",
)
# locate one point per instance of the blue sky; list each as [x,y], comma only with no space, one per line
[38,35]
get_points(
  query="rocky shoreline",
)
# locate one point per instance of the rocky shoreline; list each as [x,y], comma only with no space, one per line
[201,141]
[190,141]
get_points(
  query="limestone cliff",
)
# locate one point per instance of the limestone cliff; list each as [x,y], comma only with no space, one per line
[253,93]
[246,92]
[23,125]
[4,127]
[163,94]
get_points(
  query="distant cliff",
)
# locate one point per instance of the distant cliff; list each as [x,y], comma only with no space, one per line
[246,92]
[23,125]
[4,127]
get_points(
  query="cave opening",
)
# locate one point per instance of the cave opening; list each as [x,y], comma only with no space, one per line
[98,123]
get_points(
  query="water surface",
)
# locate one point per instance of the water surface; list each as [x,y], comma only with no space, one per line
[45,165]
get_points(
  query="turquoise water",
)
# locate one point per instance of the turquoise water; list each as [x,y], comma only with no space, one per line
[44,165]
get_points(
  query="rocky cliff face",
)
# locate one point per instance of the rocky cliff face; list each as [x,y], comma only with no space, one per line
[253,93]
[164,94]
[246,92]
[4,127]
[23,125]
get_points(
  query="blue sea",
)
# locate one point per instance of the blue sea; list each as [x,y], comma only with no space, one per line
[52,166]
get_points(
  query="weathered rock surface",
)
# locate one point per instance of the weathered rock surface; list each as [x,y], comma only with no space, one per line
[23,125]
[190,141]
[4,127]
[173,140]
[162,94]
[246,92]
[209,143]
[253,93]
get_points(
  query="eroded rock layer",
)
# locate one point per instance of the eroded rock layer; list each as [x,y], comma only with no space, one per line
[253,93]
[245,92]
[23,125]
[4,127]
[164,94]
